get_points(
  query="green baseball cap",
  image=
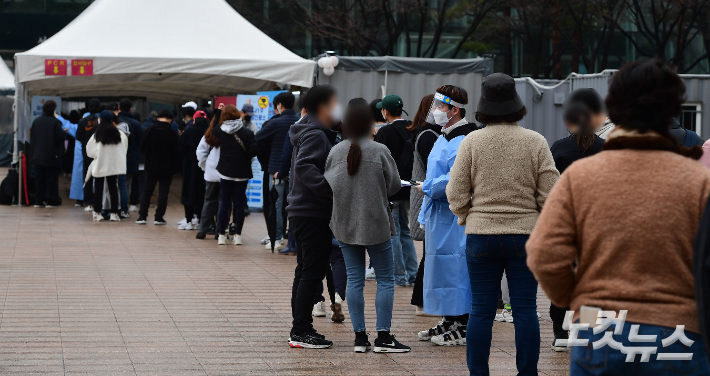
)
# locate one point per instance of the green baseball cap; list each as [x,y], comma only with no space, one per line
[391,102]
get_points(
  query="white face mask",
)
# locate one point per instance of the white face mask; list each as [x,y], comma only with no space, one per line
[336,113]
[440,117]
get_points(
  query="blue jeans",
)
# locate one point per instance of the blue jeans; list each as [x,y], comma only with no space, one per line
[381,257]
[123,193]
[279,207]
[607,361]
[488,256]
[405,256]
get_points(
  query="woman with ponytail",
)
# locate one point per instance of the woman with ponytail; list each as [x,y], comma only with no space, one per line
[582,141]
[362,175]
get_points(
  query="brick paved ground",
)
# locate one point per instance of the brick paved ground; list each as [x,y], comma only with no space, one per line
[79,297]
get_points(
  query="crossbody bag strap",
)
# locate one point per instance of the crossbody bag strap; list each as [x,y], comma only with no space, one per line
[239,140]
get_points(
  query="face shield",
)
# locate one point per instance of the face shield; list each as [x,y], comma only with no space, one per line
[440,111]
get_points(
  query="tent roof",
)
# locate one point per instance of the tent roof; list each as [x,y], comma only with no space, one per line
[415,65]
[168,38]
[7,79]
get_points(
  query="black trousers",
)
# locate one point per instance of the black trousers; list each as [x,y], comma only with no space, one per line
[47,185]
[89,186]
[112,184]
[557,315]
[151,179]
[313,246]
[418,289]
[136,183]
[210,207]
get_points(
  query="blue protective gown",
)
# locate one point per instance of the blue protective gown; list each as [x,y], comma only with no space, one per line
[447,291]
[76,192]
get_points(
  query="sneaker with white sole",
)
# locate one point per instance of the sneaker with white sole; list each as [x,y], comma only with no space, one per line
[222,240]
[278,245]
[362,344]
[309,341]
[115,218]
[184,221]
[133,208]
[141,221]
[98,217]
[124,214]
[456,336]
[390,345]
[237,240]
[266,240]
[160,222]
[89,208]
[370,274]
[337,309]
[185,226]
[559,343]
[506,315]
[318,310]
[441,327]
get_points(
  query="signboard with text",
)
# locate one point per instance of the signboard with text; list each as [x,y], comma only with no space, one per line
[82,67]
[55,67]
[37,103]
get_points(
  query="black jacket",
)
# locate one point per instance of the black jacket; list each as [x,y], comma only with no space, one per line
[193,178]
[133,156]
[566,151]
[391,135]
[679,134]
[84,130]
[46,141]
[461,131]
[427,140]
[309,193]
[275,132]
[159,144]
[234,160]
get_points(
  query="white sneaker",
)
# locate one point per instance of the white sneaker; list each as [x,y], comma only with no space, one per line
[266,240]
[98,217]
[370,273]
[184,221]
[505,315]
[318,310]
[222,240]
[236,239]
[185,226]
[89,208]
[426,335]
[337,309]
[133,208]
[195,221]
[115,218]
[279,244]
[456,336]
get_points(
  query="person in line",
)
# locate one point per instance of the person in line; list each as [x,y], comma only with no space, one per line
[446,288]
[361,171]
[207,159]
[685,137]
[310,206]
[192,195]
[47,146]
[377,113]
[107,147]
[76,191]
[130,194]
[159,144]
[275,133]
[499,182]
[600,123]
[151,120]
[246,114]
[424,136]
[86,129]
[397,138]
[188,112]
[263,158]
[237,148]
[640,262]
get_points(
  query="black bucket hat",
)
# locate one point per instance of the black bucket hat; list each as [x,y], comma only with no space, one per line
[498,96]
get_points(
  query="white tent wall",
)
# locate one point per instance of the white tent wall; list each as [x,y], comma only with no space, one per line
[7,78]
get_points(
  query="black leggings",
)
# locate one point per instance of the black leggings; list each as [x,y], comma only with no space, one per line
[111,181]
[192,210]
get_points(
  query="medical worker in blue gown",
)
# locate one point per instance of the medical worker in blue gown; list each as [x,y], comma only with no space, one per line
[447,290]
[76,192]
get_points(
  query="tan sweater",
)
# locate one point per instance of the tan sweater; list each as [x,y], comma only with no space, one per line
[628,218]
[500,180]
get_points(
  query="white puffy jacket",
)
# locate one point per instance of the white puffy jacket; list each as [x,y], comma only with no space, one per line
[207,159]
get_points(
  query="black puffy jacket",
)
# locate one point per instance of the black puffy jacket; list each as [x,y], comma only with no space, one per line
[46,141]
[235,159]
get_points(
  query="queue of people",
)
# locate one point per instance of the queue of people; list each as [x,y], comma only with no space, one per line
[497,209]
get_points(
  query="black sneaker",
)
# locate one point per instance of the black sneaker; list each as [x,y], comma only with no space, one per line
[160,221]
[232,229]
[309,341]
[211,230]
[559,347]
[141,220]
[200,235]
[362,344]
[390,346]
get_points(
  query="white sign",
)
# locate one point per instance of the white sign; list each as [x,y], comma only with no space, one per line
[38,102]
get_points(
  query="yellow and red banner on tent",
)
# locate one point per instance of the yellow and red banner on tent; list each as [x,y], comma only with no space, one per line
[58,67]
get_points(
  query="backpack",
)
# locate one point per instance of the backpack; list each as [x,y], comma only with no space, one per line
[691,138]
[406,159]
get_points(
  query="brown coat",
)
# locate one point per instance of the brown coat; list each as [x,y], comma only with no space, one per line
[627,216]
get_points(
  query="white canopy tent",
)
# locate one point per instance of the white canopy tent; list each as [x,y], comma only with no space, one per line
[7,79]
[165,50]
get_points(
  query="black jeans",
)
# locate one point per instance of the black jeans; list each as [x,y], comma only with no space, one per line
[135,181]
[111,182]
[313,248]
[89,185]
[336,278]
[47,185]
[233,194]
[151,179]
[418,290]
[557,315]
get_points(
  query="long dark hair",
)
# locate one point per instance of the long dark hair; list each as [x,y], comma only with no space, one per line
[357,123]
[578,114]
[107,133]
[422,112]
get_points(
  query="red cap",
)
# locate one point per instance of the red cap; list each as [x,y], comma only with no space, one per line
[199,114]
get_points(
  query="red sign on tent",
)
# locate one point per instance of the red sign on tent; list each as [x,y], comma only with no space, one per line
[55,67]
[82,67]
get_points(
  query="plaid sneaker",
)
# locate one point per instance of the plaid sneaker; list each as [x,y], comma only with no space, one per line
[441,327]
[456,336]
